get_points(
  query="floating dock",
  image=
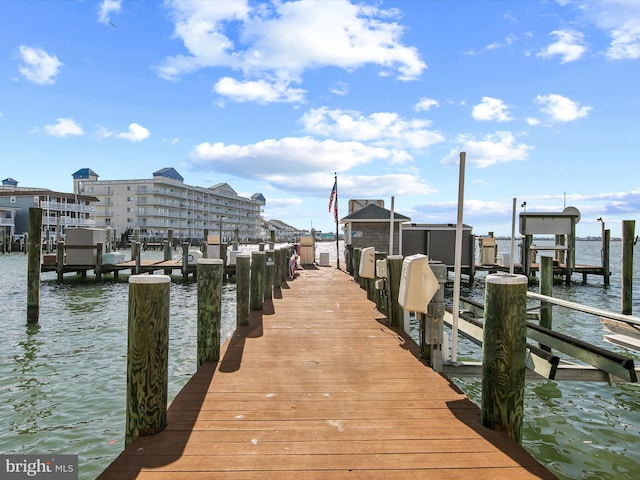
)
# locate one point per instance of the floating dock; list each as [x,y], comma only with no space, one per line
[318,386]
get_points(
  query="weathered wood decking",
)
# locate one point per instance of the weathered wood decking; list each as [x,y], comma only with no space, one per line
[318,387]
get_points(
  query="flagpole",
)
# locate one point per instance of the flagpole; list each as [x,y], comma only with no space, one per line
[336,219]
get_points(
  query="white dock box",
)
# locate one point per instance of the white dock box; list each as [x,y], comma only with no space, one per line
[324,259]
[418,284]
[84,239]
[367,267]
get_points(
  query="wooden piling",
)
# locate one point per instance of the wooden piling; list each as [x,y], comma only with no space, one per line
[185,263]
[136,250]
[546,288]
[258,264]
[34,253]
[147,355]
[243,268]
[60,260]
[434,319]
[628,241]
[395,312]
[277,265]
[606,254]
[99,247]
[356,264]
[378,296]
[526,254]
[268,275]
[210,273]
[504,353]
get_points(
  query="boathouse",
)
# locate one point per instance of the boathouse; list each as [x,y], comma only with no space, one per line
[369,226]
[437,241]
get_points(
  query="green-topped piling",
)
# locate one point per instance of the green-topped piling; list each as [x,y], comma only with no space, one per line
[147,355]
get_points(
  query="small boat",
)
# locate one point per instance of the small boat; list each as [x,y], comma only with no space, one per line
[622,333]
[621,328]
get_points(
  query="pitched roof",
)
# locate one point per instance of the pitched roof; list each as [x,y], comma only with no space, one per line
[373,212]
[169,172]
[84,173]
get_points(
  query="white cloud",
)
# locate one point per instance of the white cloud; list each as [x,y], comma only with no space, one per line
[570,46]
[64,127]
[425,104]
[398,184]
[136,133]
[620,19]
[106,8]
[625,41]
[507,41]
[38,66]
[340,88]
[291,155]
[500,147]
[561,109]
[259,91]
[382,129]
[491,109]
[276,42]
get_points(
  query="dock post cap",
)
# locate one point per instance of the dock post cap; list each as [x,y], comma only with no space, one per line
[149,279]
[395,257]
[210,261]
[507,279]
[244,255]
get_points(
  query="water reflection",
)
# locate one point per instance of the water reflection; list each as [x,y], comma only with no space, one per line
[29,397]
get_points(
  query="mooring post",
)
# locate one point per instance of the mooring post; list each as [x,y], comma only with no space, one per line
[99,247]
[606,253]
[268,275]
[504,353]
[394,273]
[138,251]
[170,240]
[628,241]
[258,264]
[185,263]
[377,292]
[277,265]
[147,355]
[34,249]
[243,262]
[210,272]
[60,260]
[546,288]
[356,264]
[434,319]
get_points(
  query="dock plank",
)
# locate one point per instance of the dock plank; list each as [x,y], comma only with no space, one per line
[317,386]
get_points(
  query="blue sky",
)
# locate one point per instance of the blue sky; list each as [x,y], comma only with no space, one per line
[274,97]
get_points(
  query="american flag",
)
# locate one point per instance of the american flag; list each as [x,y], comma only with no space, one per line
[332,196]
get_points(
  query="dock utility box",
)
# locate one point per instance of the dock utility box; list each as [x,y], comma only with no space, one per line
[418,284]
[438,241]
[80,245]
[367,267]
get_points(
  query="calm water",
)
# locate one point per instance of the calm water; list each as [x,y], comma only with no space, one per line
[62,383]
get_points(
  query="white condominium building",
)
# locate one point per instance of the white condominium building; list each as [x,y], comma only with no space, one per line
[164,202]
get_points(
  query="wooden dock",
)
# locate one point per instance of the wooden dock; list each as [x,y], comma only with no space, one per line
[319,387]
